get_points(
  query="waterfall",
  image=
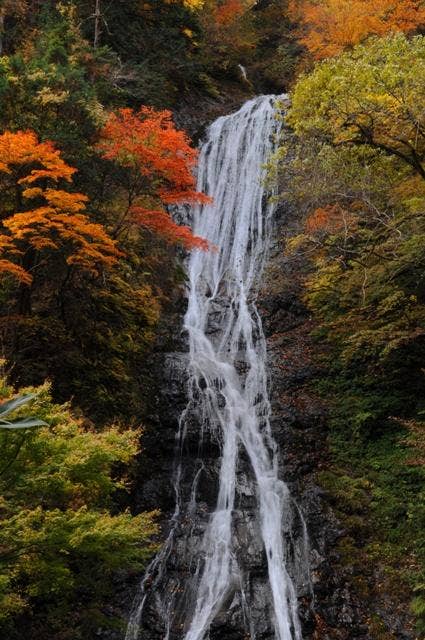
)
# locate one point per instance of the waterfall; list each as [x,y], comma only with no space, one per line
[227,397]
[244,74]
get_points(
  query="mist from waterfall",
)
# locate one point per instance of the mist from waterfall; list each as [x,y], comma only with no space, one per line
[228,385]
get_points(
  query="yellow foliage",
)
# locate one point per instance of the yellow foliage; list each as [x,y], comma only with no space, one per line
[193,5]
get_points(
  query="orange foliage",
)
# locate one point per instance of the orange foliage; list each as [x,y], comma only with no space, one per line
[334,25]
[228,12]
[23,149]
[329,219]
[161,161]
[36,216]
[158,221]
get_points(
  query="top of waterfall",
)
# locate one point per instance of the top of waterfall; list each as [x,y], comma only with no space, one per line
[273,99]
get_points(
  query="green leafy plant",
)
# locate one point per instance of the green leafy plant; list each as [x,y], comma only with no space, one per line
[65,537]
[355,171]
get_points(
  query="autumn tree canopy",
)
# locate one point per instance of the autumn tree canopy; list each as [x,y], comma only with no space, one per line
[159,162]
[372,96]
[331,26]
[38,217]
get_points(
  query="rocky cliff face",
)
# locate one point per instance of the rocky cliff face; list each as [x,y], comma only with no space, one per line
[299,423]
[331,608]
[299,428]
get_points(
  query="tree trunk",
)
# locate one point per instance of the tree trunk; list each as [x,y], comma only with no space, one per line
[97,24]
[25,290]
[1,32]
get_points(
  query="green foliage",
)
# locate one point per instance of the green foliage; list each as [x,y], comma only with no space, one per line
[355,170]
[60,544]
[371,96]
[94,344]
[275,59]
[349,494]
[156,44]
[418,606]
[47,88]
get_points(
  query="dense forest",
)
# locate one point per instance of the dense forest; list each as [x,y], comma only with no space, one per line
[97,102]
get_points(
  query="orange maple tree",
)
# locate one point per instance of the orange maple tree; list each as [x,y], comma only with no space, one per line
[330,26]
[39,219]
[229,11]
[160,163]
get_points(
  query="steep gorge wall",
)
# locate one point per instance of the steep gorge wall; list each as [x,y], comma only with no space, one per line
[299,426]
[354,599]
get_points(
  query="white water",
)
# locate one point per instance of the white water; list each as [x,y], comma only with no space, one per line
[228,377]
[244,74]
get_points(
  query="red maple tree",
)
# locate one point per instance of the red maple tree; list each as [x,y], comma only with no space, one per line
[159,161]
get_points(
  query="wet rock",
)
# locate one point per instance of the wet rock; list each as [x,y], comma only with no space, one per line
[328,606]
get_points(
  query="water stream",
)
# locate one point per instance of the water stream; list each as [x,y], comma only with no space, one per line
[228,392]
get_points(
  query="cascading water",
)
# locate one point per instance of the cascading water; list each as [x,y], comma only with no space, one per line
[228,400]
